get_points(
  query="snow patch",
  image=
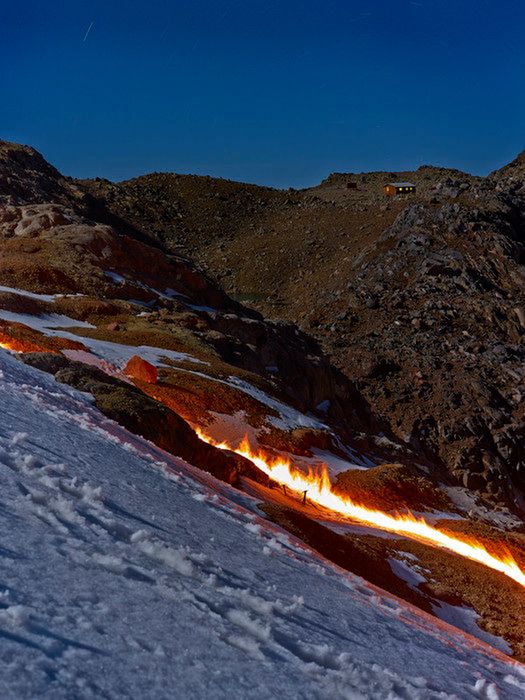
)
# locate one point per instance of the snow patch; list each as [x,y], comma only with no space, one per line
[466,619]
[407,573]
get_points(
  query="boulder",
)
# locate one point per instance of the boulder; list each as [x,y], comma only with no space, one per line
[140,369]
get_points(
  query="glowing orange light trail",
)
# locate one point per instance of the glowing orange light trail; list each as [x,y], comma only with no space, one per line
[320,491]
[17,346]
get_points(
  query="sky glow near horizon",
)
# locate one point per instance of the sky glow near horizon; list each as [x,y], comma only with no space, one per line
[277,93]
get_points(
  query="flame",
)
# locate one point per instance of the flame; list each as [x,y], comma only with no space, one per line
[320,491]
[7,346]
[20,345]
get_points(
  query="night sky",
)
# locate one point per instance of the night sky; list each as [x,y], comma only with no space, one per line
[267,91]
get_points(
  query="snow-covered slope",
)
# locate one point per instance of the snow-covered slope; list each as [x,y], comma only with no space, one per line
[126,572]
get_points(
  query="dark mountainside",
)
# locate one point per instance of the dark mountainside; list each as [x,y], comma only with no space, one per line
[419,301]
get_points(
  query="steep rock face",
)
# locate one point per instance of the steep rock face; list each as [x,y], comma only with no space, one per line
[420,301]
[296,363]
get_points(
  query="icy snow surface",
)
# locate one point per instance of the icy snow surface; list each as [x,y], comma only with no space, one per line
[49,324]
[127,573]
[407,573]
[49,298]
[461,616]
[30,295]
[116,353]
[289,418]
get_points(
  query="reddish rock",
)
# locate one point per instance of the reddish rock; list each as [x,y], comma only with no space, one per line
[137,368]
[113,326]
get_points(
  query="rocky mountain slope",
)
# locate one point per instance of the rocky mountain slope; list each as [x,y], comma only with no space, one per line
[420,301]
[108,304]
[50,244]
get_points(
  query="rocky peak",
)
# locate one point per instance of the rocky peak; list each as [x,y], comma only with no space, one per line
[26,177]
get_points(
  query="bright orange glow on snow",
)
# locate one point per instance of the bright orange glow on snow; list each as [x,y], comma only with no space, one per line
[7,346]
[320,491]
[24,344]
[16,345]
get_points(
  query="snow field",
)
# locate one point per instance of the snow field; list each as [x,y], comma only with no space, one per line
[127,573]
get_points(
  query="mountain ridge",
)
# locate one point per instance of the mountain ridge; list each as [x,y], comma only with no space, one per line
[332,245]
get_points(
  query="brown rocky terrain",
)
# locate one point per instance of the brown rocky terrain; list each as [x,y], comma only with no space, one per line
[51,245]
[419,300]
[423,390]
[122,287]
[144,416]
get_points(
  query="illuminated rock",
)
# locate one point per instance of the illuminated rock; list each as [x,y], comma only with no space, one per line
[137,368]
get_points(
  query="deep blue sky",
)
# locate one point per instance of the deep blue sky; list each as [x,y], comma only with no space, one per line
[277,92]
